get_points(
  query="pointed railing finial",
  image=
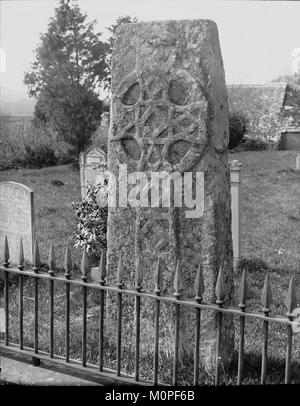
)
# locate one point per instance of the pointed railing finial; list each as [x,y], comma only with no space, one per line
[199,286]
[266,295]
[36,257]
[178,284]
[158,278]
[138,273]
[21,255]
[291,299]
[120,272]
[220,288]
[84,266]
[6,253]
[102,267]
[68,262]
[243,293]
[51,260]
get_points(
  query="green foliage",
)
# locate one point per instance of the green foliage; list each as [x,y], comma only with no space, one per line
[25,144]
[254,145]
[91,221]
[290,79]
[237,128]
[69,70]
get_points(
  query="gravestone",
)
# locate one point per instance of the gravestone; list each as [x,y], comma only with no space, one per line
[169,113]
[16,220]
[92,164]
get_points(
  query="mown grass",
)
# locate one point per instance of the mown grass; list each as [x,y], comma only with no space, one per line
[270,242]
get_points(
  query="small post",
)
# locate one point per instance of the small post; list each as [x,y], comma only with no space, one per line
[235,181]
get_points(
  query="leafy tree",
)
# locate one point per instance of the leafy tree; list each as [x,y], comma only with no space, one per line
[69,70]
[238,123]
[290,79]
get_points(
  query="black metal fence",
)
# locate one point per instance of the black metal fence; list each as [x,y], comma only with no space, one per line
[120,291]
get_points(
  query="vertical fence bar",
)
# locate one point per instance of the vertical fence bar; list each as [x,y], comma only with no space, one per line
[157,290]
[178,286]
[199,289]
[242,297]
[138,287]
[291,301]
[21,310]
[36,264]
[156,342]
[266,299]
[102,274]
[176,344]
[218,348]
[67,338]
[51,318]
[264,351]
[6,293]
[197,344]
[51,263]
[67,268]
[84,272]
[287,378]
[6,307]
[119,333]
[220,295]
[119,316]
[84,288]
[137,336]
[36,315]
[241,349]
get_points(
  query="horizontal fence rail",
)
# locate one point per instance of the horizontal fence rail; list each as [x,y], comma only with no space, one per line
[219,309]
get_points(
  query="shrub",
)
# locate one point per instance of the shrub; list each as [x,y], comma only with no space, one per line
[91,221]
[254,145]
[38,156]
[237,128]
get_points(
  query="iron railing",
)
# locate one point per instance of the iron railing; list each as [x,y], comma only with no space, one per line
[176,301]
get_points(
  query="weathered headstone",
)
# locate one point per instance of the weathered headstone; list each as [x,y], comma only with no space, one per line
[16,219]
[92,163]
[169,113]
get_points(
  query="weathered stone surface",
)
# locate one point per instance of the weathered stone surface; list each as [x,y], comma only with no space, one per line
[16,220]
[169,112]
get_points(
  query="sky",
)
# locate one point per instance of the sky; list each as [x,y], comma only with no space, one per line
[257,38]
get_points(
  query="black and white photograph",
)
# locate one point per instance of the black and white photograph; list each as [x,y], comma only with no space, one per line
[149,196]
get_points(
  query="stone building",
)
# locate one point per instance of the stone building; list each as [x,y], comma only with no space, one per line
[272,109]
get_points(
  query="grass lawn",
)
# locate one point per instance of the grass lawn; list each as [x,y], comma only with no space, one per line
[270,241]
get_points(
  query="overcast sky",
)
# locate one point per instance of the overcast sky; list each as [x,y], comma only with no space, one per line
[257,37]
